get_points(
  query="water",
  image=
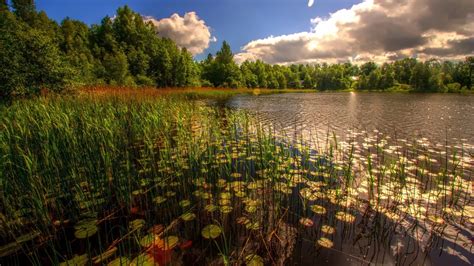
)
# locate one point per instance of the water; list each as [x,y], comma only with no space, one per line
[437,117]
[438,123]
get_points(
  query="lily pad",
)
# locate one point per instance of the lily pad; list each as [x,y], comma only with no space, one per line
[86,231]
[143,259]
[328,229]
[76,261]
[170,242]
[189,216]
[159,200]
[345,217]
[251,208]
[120,261]
[253,225]
[226,209]
[211,208]
[306,222]
[325,242]
[149,240]
[184,203]
[243,220]
[211,231]
[318,209]
[137,224]
[253,260]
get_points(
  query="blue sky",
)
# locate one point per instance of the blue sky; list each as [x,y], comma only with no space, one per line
[288,31]
[237,21]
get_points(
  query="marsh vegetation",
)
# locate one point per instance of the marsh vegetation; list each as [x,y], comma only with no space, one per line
[178,179]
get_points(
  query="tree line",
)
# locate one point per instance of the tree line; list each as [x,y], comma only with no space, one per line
[36,52]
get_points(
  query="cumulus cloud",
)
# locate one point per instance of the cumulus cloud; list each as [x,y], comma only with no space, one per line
[188,31]
[379,30]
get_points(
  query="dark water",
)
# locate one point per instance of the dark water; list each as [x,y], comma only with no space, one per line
[436,117]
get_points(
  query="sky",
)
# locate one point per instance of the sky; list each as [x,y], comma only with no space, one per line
[296,31]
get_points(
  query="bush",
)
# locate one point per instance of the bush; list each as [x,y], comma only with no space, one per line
[453,87]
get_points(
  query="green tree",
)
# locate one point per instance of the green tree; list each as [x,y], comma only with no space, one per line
[24,9]
[224,71]
[30,59]
[116,68]
[420,77]
[307,81]
[74,43]
[3,5]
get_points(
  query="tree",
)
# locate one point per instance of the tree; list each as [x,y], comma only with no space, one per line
[3,5]
[116,68]
[30,60]
[74,43]
[307,82]
[24,9]
[420,77]
[224,72]
[367,68]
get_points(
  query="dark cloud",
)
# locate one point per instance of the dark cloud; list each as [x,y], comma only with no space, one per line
[456,47]
[376,30]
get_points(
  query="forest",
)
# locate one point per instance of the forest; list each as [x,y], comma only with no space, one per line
[38,53]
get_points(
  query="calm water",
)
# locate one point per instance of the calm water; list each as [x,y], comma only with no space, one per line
[433,116]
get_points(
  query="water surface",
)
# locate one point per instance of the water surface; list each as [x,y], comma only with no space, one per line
[437,117]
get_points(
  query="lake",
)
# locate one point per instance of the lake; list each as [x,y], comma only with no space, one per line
[436,117]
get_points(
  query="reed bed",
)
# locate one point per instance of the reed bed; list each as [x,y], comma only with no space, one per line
[146,179]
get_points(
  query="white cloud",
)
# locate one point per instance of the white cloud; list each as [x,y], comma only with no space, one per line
[188,31]
[379,30]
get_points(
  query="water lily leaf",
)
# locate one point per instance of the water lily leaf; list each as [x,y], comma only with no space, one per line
[150,239]
[226,209]
[236,175]
[159,200]
[107,254]
[86,231]
[318,209]
[308,194]
[211,208]
[170,242]
[184,203]
[120,261]
[240,194]
[211,231]
[85,223]
[250,208]
[143,259]
[345,217]
[137,224]
[325,242]
[189,216]
[253,225]
[224,202]
[225,195]
[243,220]
[76,261]
[306,222]
[328,229]
[253,260]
